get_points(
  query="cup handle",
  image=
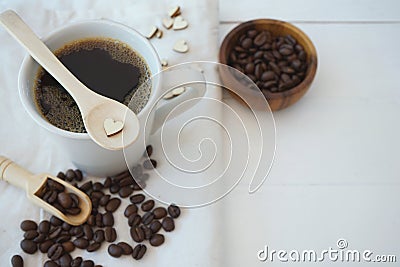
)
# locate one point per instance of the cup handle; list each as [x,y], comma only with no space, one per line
[195,87]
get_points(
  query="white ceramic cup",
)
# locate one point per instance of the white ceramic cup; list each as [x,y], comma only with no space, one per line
[83,152]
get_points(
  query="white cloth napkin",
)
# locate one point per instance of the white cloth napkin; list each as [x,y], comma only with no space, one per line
[195,240]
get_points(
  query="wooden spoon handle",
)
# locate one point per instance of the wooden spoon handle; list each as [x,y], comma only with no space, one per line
[13,173]
[42,54]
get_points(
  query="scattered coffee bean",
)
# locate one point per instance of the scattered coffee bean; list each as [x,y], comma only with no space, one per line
[114,251]
[157,240]
[148,205]
[65,260]
[81,243]
[68,246]
[28,246]
[137,234]
[159,213]
[55,252]
[93,247]
[17,261]
[98,236]
[134,220]
[87,263]
[155,226]
[137,199]
[174,211]
[28,225]
[44,247]
[76,262]
[88,231]
[139,251]
[130,209]
[44,227]
[110,234]
[108,219]
[31,234]
[168,224]
[50,263]
[126,248]
[148,217]
[113,204]
[147,232]
[125,191]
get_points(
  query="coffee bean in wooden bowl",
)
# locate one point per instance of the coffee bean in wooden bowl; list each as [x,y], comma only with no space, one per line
[276,55]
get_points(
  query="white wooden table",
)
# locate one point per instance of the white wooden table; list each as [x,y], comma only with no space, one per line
[336,173]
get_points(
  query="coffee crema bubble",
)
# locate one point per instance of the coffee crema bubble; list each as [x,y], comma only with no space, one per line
[107,66]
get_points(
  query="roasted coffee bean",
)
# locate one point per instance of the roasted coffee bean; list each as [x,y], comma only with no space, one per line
[150,164]
[157,240]
[249,68]
[147,218]
[91,220]
[82,243]
[65,260]
[44,247]
[125,191]
[44,227]
[130,209]
[139,251]
[65,226]
[267,76]
[126,182]
[114,188]
[55,232]
[174,211]
[70,175]
[93,247]
[147,205]
[260,39]
[88,231]
[55,221]
[63,238]
[155,226]
[110,234]
[31,234]
[51,263]
[134,219]
[114,251]
[147,232]
[149,151]
[96,195]
[113,204]
[247,43]
[87,263]
[40,238]
[168,224]
[65,200]
[126,248]
[137,234]
[68,246]
[107,182]
[17,261]
[61,175]
[55,185]
[269,84]
[159,213]
[138,198]
[104,200]
[86,186]
[98,236]
[55,252]
[28,225]
[99,220]
[296,64]
[77,231]
[76,262]
[108,219]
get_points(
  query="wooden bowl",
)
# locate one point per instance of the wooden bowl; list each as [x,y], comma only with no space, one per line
[276,100]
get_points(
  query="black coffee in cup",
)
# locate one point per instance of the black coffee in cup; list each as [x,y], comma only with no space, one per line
[107,66]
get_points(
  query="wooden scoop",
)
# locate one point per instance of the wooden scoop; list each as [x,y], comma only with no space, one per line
[109,123]
[33,184]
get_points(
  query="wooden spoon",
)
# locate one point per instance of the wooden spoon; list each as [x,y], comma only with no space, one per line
[34,184]
[97,111]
